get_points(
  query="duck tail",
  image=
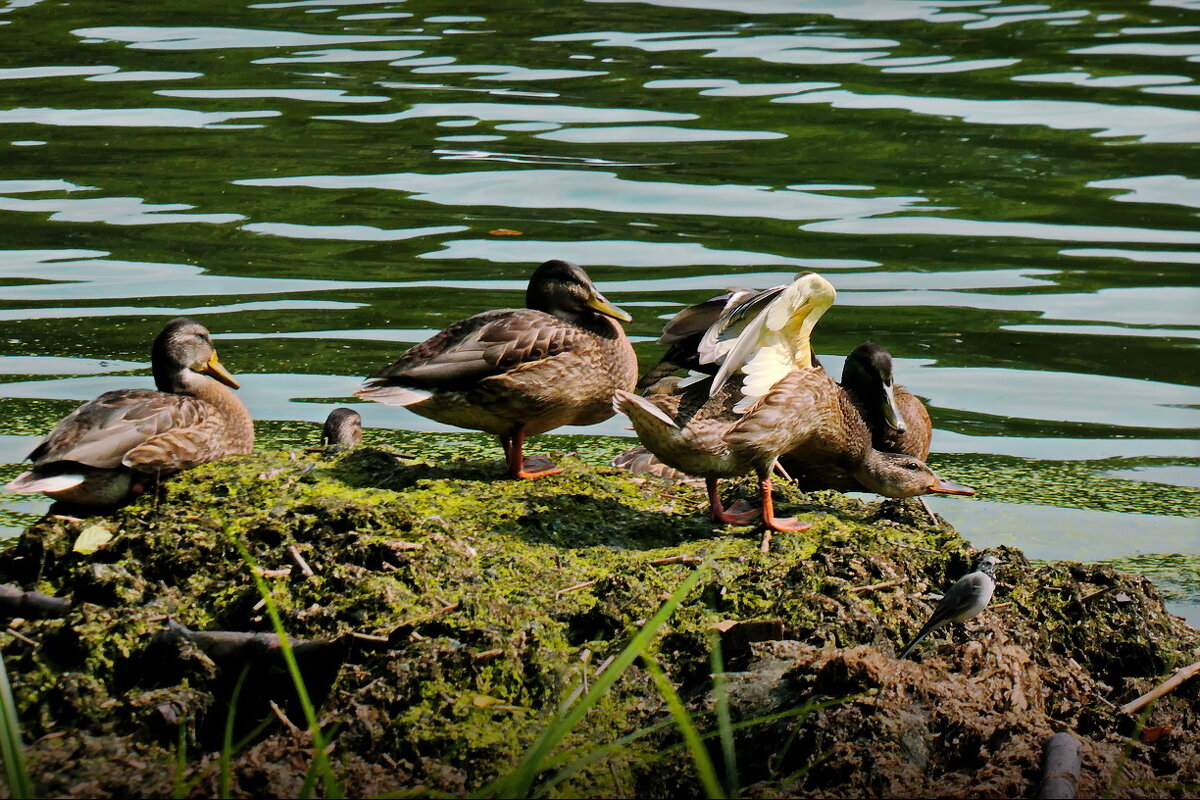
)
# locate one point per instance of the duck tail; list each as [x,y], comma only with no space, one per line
[642,413]
[31,481]
[392,395]
[639,459]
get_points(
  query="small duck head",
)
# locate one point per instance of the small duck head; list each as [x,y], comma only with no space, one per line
[183,350]
[897,475]
[343,428]
[564,290]
[867,374]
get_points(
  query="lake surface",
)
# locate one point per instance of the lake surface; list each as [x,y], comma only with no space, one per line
[1006,196]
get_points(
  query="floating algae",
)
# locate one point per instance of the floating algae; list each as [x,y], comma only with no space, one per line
[454,612]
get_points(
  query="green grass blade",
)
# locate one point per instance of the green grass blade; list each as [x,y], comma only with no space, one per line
[179,786]
[225,778]
[520,782]
[321,758]
[729,756]
[11,747]
[683,721]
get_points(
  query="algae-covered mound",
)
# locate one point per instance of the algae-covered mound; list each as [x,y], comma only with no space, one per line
[441,616]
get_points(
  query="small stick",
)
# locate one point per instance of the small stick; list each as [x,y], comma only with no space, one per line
[287,723]
[300,562]
[999,606]
[1060,768]
[273,573]
[368,637]
[22,637]
[911,546]
[875,587]
[765,545]
[604,665]
[583,585]
[679,559]
[1163,688]
[486,654]
[446,609]
[1090,597]
[616,780]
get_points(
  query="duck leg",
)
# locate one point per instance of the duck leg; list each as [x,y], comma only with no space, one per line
[518,465]
[770,521]
[719,514]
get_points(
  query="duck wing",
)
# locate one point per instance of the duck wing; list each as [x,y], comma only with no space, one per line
[482,346]
[804,414]
[742,310]
[103,432]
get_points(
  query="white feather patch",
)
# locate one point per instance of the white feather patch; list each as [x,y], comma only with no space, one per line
[393,395]
[29,482]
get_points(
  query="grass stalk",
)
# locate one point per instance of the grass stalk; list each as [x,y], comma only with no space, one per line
[724,725]
[323,765]
[687,726]
[520,782]
[12,749]
[225,777]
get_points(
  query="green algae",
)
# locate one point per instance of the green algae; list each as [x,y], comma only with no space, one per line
[461,610]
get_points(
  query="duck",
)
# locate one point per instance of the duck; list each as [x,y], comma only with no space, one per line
[895,422]
[343,429]
[897,419]
[520,372]
[875,420]
[724,428]
[111,447]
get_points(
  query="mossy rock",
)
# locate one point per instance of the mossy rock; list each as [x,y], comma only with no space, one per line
[449,613]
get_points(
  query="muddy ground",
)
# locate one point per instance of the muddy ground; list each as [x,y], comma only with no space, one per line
[449,613]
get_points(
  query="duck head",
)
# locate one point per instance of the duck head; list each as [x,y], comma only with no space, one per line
[897,475]
[183,350]
[867,374]
[564,290]
[343,428]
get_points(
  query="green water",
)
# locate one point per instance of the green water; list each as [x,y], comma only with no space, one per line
[1006,196]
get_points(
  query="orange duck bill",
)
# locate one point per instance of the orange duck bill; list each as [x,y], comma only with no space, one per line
[943,486]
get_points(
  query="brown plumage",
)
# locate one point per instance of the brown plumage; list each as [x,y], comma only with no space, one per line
[896,421]
[343,429]
[98,452]
[519,372]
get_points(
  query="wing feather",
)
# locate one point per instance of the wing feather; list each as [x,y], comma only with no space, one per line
[100,432]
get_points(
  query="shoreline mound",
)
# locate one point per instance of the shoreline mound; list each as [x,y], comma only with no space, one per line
[440,617]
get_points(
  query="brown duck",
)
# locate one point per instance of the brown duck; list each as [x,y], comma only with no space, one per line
[748,414]
[108,447]
[520,372]
[894,421]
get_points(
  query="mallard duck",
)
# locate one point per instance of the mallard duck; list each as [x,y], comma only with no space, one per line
[343,429]
[872,413]
[895,422]
[718,429]
[897,419]
[106,448]
[520,372]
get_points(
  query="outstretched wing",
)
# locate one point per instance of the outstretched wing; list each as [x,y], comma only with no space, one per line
[102,432]
[479,347]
